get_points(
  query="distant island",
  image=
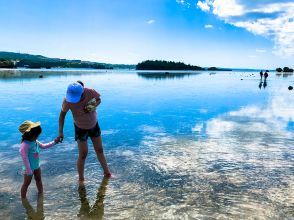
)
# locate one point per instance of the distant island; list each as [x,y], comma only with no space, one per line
[285,70]
[20,60]
[170,65]
[165,65]
[218,69]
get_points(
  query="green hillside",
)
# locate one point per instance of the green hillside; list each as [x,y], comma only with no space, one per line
[22,60]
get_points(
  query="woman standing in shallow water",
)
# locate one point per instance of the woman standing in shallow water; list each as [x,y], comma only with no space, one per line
[83,102]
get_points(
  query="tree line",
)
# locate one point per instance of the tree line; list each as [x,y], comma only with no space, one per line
[285,69]
[20,60]
[165,65]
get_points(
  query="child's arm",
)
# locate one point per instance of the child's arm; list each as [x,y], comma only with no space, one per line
[46,145]
[24,151]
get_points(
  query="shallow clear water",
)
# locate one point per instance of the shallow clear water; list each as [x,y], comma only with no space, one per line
[189,145]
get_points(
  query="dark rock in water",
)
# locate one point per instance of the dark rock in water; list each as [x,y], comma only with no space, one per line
[241,79]
[40,76]
[290,87]
[166,72]
[288,70]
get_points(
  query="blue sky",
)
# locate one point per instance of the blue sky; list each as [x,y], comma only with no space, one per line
[227,33]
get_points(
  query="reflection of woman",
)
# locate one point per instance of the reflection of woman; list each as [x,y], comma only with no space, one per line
[97,210]
[31,213]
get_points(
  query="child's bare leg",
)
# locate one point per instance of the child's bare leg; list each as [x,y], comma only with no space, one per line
[38,179]
[24,188]
[97,142]
[83,152]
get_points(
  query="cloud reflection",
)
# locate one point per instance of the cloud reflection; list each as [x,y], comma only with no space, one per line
[243,168]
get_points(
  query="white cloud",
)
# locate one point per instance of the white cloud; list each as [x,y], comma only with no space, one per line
[260,51]
[227,8]
[268,19]
[150,21]
[203,6]
[180,1]
[207,26]
[252,56]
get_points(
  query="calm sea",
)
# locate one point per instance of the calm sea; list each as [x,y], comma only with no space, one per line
[189,145]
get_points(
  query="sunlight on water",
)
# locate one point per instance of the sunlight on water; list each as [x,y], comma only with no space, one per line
[180,146]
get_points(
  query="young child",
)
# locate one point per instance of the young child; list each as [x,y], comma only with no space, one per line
[29,151]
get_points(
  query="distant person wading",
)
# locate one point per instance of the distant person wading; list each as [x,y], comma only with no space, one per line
[266,75]
[83,102]
[261,74]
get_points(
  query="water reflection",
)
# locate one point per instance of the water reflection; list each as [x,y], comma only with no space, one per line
[165,75]
[260,84]
[43,73]
[96,211]
[264,84]
[211,146]
[30,211]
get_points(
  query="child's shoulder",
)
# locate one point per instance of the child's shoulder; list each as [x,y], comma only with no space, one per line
[26,142]
[24,145]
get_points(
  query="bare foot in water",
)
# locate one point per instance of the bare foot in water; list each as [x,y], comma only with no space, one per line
[81,183]
[107,175]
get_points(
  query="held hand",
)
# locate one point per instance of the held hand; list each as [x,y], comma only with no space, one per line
[60,137]
[58,140]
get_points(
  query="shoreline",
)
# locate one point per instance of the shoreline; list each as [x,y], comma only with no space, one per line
[129,70]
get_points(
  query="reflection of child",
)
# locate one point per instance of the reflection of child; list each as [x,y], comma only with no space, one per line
[31,213]
[29,151]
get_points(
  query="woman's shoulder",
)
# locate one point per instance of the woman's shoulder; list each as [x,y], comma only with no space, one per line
[87,90]
[91,92]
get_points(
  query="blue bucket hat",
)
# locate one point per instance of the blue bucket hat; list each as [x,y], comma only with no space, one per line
[74,92]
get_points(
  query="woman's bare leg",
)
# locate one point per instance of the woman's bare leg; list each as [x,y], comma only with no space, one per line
[83,152]
[97,143]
